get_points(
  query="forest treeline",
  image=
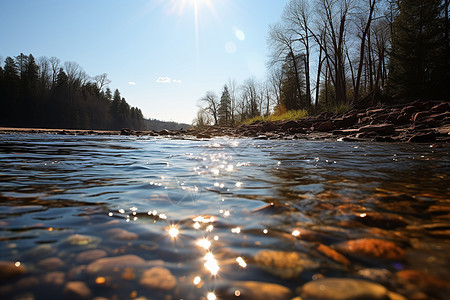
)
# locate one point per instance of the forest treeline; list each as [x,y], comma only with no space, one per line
[48,94]
[333,55]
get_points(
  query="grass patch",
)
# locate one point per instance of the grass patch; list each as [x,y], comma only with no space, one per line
[291,115]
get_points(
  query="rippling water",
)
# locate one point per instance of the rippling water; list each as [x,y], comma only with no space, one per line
[208,216]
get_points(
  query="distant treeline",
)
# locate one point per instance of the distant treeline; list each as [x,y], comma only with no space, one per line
[157,125]
[48,94]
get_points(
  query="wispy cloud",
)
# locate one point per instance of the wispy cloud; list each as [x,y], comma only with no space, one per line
[163,80]
[167,80]
[131,83]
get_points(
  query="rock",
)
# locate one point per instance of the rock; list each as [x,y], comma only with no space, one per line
[107,265]
[423,137]
[284,264]
[158,278]
[343,289]
[424,281]
[374,248]
[76,290]
[90,255]
[27,283]
[9,270]
[379,128]
[51,263]
[441,107]
[54,278]
[126,131]
[268,127]
[82,240]
[408,110]
[289,125]
[333,254]
[121,234]
[324,126]
[253,290]
[379,275]
[381,220]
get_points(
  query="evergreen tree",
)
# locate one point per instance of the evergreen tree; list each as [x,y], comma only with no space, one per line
[224,113]
[417,51]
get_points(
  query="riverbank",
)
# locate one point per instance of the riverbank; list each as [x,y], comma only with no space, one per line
[420,122]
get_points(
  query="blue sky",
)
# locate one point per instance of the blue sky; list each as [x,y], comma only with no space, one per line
[162,55]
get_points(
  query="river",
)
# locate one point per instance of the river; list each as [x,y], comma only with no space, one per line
[118,217]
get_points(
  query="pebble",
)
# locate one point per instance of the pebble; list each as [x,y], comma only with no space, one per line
[77,290]
[343,289]
[54,278]
[333,254]
[90,255]
[158,278]
[253,290]
[106,265]
[121,234]
[383,276]
[82,240]
[374,248]
[284,264]
[51,263]
[9,269]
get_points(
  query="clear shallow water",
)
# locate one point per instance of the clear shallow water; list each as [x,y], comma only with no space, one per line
[215,213]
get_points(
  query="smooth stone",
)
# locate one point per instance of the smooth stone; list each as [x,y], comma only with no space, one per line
[343,289]
[158,278]
[82,240]
[54,278]
[284,264]
[333,254]
[51,263]
[26,283]
[8,270]
[119,263]
[253,290]
[90,255]
[76,290]
[383,276]
[121,234]
[372,248]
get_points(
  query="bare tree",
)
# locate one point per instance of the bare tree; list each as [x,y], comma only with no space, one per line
[334,16]
[55,65]
[365,33]
[212,105]
[101,81]
[250,94]
[297,16]
[45,74]
[282,44]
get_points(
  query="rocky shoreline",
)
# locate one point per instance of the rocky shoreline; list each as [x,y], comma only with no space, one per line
[417,122]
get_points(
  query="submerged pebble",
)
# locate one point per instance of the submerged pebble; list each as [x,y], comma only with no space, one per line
[90,255]
[83,240]
[374,248]
[253,290]
[76,290]
[343,289]
[10,269]
[121,234]
[284,264]
[51,263]
[158,278]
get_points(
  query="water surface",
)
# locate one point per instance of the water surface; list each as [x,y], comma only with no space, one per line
[209,214]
